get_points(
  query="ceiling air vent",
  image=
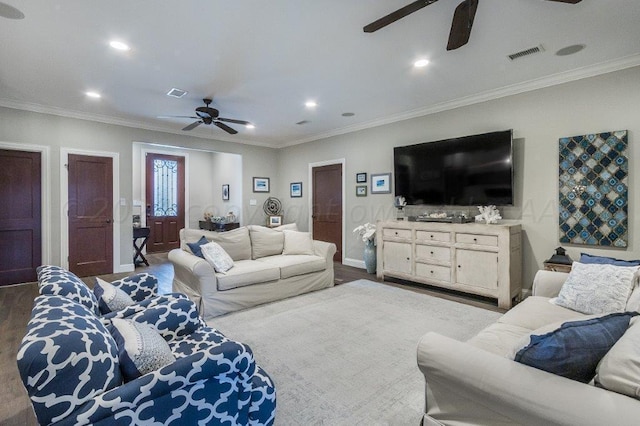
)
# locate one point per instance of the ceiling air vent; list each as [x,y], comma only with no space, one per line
[176,93]
[526,52]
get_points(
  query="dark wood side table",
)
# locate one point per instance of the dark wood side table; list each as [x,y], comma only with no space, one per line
[218,227]
[140,234]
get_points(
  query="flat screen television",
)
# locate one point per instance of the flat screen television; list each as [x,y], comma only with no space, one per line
[468,171]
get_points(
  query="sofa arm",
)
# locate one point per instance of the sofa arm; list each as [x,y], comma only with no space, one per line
[548,283]
[185,392]
[326,250]
[192,275]
[465,382]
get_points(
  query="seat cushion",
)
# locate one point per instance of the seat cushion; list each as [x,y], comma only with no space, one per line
[499,338]
[295,264]
[536,311]
[247,272]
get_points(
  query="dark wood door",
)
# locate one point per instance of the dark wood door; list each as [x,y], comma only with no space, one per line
[90,215]
[20,216]
[327,206]
[165,201]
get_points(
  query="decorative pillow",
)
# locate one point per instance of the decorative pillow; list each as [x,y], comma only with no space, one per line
[53,280]
[140,348]
[196,247]
[110,298]
[217,257]
[597,288]
[619,370]
[265,241]
[297,242]
[603,260]
[574,350]
[287,227]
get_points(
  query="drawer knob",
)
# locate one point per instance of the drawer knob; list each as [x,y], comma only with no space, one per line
[431,236]
[475,240]
[432,253]
[408,258]
[396,232]
[459,266]
[431,272]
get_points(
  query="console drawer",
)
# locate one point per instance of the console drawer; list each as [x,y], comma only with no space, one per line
[482,240]
[396,233]
[433,236]
[436,272]
[424,252]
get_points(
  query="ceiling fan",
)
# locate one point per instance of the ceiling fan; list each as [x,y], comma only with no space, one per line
[460,27]
[208,115]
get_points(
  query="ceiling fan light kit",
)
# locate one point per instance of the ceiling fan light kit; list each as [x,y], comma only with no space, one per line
[461,26]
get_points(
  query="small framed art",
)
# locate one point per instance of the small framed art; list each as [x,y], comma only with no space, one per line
[295,190]
[260,184]
[361,177]
[274,220]
[225,192]
[361,191]
[381,183]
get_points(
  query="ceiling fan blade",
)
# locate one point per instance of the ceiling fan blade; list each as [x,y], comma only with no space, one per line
[567,1]
[225,127]
[178,116]
[231,120]
[192,125]
[462,23]
[398,14]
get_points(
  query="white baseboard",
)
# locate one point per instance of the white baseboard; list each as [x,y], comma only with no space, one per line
[354,262]
[129,267]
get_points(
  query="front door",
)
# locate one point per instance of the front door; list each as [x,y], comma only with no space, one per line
[165,201]
[90,215]
[20,217]
[327,206]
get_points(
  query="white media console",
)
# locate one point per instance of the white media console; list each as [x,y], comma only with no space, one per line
[474,258]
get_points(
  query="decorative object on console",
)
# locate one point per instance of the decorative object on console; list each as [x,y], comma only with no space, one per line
[295,190]
[490,214]
[381,183]
[593,189]
[361,177]
[399,203]
[260,184]
[275,220]
[368,234]
[225,192]
[273,209]
[361,191]
[559,262]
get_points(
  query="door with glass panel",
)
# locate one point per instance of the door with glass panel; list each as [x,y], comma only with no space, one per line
[165,201]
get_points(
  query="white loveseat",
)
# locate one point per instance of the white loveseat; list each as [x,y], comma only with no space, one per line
[264,268]
[474,382]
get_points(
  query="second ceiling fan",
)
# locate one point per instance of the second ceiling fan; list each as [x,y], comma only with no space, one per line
[460,27]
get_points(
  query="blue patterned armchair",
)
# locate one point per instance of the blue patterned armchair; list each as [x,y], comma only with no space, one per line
[76,368]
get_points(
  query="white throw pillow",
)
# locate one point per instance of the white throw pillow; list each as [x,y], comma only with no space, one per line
[297,243]
[597,288]
[619,370]
[110,298]
[217,257]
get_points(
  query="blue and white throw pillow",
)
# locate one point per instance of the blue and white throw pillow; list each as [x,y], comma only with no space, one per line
[604,260]
[141,349]
[110,298]
[217,257]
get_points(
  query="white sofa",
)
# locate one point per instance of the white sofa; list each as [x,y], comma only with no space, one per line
[474,382]
[263,271]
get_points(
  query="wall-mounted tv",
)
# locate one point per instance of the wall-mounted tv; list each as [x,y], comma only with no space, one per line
[468,171]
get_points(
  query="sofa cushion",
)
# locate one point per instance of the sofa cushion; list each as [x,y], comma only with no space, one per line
[536,311]
[499,338]
[297,264]
[265,241]
[141,349]
[297,243]
[217,257]
[619,370]
[235,242]
[110,298]
[597,288]
[575,349]
[247,272]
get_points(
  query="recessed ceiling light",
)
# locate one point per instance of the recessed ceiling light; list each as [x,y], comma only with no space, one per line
[94,95]
[421,63]
[310,104]
[250,126]
[118,45]
[570,50]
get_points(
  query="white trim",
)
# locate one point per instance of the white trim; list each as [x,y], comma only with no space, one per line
[64,198]
[45,199]
[343,163]
[356,263]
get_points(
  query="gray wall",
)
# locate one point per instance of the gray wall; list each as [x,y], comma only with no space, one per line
[538,119]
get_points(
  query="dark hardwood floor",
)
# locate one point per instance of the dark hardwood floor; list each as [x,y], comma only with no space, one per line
[15,310]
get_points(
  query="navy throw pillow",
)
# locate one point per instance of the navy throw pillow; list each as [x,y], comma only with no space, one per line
[195,247]
[603,260]
[575,349]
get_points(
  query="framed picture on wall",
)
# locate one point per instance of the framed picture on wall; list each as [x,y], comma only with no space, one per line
[225,192]
[361,191]
[260,184]
[295,190]
[361,177]
[381,183]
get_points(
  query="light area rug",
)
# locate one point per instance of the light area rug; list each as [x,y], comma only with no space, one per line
[347,355]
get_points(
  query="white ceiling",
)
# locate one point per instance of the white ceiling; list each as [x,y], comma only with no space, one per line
[261,60]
